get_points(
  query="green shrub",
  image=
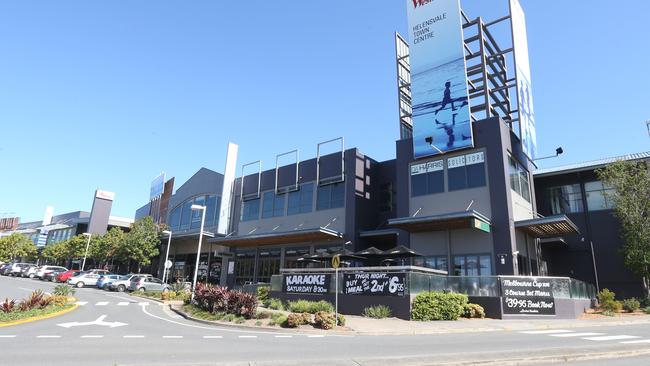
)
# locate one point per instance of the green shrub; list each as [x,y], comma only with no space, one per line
[631,305]
[377,312]
[63,290]
[608,313]
[278,319]
[646,310]
[263,314]
[240,320]
[473,311]
[312,307]
[295,320]
[438,306]
[341,320]
[607,301]
[229,317]
[275,304]
[324,320]
[263,294]
[258,323]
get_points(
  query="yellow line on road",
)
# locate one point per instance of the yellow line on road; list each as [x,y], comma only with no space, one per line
[39,317]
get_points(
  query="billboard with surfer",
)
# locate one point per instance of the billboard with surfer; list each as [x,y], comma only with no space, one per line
[441,111]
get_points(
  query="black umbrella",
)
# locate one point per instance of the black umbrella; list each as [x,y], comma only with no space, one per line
[401,252]
[370,252]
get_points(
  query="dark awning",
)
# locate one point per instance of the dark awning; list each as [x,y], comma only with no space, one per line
[547,227]
[277,238]
[553,243]
[450,221]
[379,234]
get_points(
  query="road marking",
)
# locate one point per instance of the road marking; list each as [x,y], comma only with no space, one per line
[92,336]
[172,337]
[143,303]
[133,336]
[247,336]
[7,336]
[122,303]
[611,338]
[283,336]
[565,335]
[99,321]
[637,341]
[212,337]
[48,336]
[316,336]
[81,303]
[550,331]
[102,303]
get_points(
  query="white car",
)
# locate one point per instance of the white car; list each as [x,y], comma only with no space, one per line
[42,270]
[84,279]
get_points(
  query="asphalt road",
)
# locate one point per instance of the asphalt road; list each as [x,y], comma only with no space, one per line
[112,328]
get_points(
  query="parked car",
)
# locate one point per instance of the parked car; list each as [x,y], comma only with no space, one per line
[122,284]
[105,280]
[28,270]
[5,268]
[147,284]
[65,276]
[16,268]
[42,270]
[97,271]
[84,279]
[52,275]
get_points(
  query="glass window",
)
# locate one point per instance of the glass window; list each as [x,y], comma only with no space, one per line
[300,201]
[186,212]
[268,264]
[466,171]
[196,214]
[435,262]
[457,178]
[427,183]
[330,196]
[596,197]
[519,181]
[485,262]
[244,266]
[175,218]
[472,265]
[291,256]
[210,210]
[251,210]
[565,199]
[278,205]
[272,204]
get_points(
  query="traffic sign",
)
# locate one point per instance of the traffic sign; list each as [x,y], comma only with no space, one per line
[168,264]
[336,261]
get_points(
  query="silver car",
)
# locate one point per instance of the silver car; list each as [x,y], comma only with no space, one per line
[143,284]
[84,279]
[122,284]
[42,270]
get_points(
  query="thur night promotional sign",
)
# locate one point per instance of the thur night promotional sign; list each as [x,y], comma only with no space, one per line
[527,296]
[441,111]
[527,132]
[380,284]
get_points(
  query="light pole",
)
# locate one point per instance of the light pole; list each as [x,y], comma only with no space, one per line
[89,235]
[593,260]
[169,241]
[198,251]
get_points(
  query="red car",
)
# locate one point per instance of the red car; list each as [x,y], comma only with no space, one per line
[64,276]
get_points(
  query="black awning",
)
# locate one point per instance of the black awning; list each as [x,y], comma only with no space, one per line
[450,221]
[379,234]
[548,227]
[553,243]
[277,238]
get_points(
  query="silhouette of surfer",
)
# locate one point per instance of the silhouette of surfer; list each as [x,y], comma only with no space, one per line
[446,99]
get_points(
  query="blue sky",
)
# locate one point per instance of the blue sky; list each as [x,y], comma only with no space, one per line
[109,94]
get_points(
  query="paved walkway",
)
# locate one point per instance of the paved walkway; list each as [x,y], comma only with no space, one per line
[362,325]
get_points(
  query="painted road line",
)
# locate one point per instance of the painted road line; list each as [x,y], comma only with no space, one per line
[101,303]
[247,336]
[212,337]
[637,341]
[566,335]
[316,336]
[122,303]
[549,331]
[143,303]
[611,338]
[7,336]
[133,336]
[48,336]
[92,336]
[172,337]
[283,336]
[81,303]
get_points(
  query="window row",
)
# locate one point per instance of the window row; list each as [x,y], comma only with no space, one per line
[519,181]
[297,202]
[182,217]
[568,198]
[463,172]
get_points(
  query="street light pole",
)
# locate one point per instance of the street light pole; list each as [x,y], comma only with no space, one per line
[198,251]
[593,259]
[169,241]
[86,254]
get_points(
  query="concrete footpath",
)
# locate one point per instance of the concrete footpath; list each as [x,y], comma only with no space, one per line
[393,326]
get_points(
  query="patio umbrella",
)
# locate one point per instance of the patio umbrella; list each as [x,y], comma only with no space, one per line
[370,252]
[401,251]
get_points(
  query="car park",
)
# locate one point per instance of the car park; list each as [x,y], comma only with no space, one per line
[65,276]
[122,284]
[84,279]
[52,275]
[16,268]
[105,280]
[42,270]
[28,270]
[147,284]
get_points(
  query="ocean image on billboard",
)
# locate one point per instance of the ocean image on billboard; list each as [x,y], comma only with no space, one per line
[441,117]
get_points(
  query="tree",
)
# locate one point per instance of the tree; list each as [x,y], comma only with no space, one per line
[16,246]
[140,244]
[56,252]
[75,247]
[631,198]
[104,247]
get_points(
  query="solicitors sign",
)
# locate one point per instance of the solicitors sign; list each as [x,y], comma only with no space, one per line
[527,296]
[306,283]
[441,111]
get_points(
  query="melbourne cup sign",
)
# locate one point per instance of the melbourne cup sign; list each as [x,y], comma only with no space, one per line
[527,296]
[377,284]
[306,283]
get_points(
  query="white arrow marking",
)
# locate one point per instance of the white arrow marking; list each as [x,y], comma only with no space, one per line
[99,321]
